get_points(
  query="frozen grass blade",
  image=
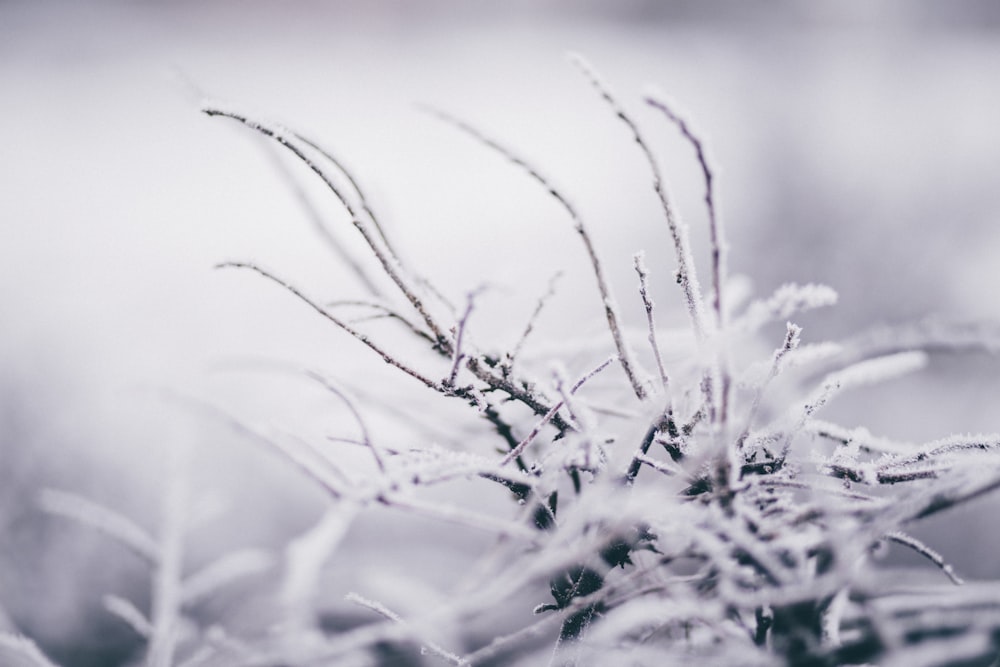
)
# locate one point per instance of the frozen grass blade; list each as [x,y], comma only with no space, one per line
[458,354]
[383,311]
[926,552]
[363,200]
[647,302]
[790,299]
[792,336]
[610,309]
[687,278]
[385,612]
[345,398]
[657,100]
[364,339]
[529,327]
[864,373]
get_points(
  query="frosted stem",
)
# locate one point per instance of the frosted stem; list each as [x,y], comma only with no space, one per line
[610,310]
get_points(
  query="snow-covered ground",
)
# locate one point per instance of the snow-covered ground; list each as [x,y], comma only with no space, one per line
[854,146]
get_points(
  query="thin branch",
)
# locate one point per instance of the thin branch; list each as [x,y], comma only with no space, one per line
[716,238]
[687,278]
[860,437]
[515,389]
[610,309]
[926,552]
[105,520]
[718,241]
[518,637]
[664,422]
[385,612]
[365,206]
[389,359]
[479,369]
[534,317]
[459,516]
[659,466]
[815,488]
[579,418]
[948,499]
[386,312]
[582,419]
[521,446]
[458,354]
[867,372]
[316,219]
[389,264]
[335,487]
[346,399]
[937,448]
[792,337]
[640,268]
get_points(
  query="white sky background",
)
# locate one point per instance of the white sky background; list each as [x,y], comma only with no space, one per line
[856,144]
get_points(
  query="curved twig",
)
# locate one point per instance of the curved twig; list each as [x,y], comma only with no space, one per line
[388,261]
[610,309]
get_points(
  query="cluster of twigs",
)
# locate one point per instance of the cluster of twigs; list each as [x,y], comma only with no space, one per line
[735,545]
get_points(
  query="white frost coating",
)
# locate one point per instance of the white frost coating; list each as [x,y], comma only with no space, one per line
[864,373]
[864,438]
[867,372]
[811,353]
[939,450]
[687,276]
[640,262]
[436,464]
[804,355]
[788,300]
[876,370]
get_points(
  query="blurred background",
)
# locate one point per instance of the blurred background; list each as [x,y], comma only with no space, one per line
[855,144]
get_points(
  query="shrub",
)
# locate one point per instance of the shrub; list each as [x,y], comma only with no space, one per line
[694,516]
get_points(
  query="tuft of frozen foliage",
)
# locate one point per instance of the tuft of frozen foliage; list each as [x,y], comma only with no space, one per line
[708,516]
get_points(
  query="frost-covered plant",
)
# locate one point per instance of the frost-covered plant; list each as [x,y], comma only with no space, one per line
[701,514]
